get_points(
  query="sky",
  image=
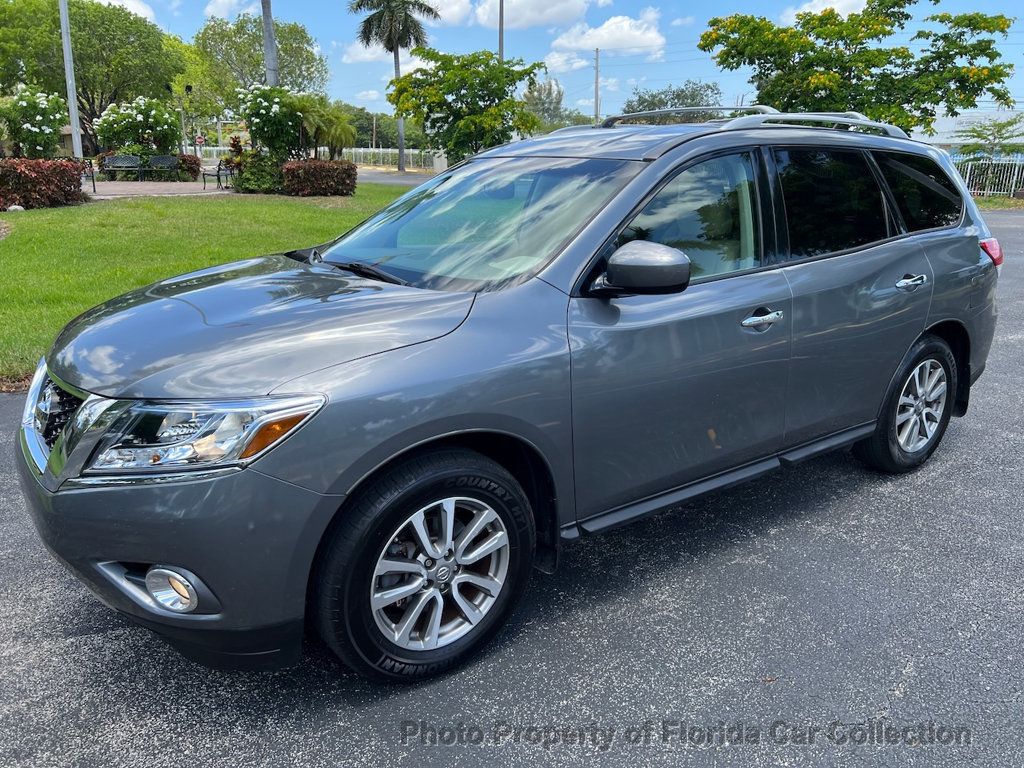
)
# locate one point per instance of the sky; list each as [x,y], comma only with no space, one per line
[643,43]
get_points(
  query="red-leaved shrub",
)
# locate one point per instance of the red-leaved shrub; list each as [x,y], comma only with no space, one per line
[306,178]
[190,165]
[40,183]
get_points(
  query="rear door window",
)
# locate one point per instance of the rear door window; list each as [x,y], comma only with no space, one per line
[832,199]
[925,195]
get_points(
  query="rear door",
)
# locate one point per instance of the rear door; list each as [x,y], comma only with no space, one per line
[861,289]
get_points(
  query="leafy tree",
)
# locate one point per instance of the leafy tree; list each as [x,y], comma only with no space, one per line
[692,93]
[33,122]
[988,140]
[235,48]
[395,26]
[201,87]
[544,99]
[119,55]
[466,102]
[828,62]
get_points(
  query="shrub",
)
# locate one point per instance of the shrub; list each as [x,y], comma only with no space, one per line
[258,173]
[145,123]
[319,177]
[40,183]
[191,165]
[33,122]
[273,119]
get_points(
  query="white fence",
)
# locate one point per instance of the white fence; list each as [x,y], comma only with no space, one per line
[986,179]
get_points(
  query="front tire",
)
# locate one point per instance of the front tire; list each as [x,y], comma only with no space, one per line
[916,411]
[424,566]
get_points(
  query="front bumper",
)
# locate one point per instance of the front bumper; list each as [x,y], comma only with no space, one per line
[249,537]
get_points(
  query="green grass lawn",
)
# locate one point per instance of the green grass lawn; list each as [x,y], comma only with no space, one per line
[58,262]
[998,203]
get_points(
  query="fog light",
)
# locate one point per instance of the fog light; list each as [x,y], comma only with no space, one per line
[171,590]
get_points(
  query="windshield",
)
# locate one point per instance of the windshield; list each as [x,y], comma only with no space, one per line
[486,223]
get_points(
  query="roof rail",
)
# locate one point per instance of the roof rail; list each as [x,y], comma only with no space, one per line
[761,109]
[833,119]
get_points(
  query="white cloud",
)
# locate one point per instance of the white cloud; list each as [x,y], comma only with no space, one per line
[229,8]
[521,14]
[618,35]
[368,95]
[788,15]
[603,3]
[584,102]
[609,83]
[453,12]
[564,61]
[683,21]
[137,7]
[357,53]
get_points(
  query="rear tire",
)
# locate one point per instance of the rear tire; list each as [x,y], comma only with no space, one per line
[916,410]
[418,530]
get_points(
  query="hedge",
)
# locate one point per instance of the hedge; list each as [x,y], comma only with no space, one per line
[40,183]
[319,177]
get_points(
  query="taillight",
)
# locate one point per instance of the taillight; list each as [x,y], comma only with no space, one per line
[991,246]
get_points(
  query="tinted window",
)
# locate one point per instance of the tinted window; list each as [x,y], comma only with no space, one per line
[833,201]
[924,193]
[709,212]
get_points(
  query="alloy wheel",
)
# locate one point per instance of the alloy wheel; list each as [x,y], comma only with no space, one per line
[921,405]
[440,573]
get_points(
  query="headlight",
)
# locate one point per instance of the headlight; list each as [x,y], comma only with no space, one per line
[153,436]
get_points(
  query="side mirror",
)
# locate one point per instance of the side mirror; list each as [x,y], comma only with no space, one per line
[643,267]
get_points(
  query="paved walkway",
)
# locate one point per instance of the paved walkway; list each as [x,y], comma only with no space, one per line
[109,190]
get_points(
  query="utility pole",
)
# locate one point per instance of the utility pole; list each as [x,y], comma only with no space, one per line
[597,86]
[501,30]
[69,76]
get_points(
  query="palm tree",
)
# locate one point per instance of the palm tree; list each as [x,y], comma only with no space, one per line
[269,44]
[393,24]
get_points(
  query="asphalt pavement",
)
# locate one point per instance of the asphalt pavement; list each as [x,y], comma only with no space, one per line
[823,597]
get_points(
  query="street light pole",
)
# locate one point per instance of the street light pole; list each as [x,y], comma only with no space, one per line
[501,30]
[69,77]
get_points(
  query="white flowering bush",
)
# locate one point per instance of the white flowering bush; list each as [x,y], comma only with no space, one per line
[273,119]
[145,123]
[33,122]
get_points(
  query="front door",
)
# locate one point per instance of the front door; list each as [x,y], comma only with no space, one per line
[670,389]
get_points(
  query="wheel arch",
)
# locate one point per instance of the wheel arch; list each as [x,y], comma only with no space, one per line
[955,333]
[520,457]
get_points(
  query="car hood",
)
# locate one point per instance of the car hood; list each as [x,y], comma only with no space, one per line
[244,329]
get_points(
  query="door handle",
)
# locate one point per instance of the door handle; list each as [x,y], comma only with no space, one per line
[762,321]
[911,282]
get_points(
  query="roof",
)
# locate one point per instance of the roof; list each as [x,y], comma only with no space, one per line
[631,141]
[624,142]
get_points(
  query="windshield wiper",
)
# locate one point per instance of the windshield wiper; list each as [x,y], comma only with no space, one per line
[365,269]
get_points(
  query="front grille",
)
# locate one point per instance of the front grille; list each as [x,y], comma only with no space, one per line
[54,409]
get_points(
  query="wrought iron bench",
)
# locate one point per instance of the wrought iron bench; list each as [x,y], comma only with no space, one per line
[162,164]
[223,174]
[113,164]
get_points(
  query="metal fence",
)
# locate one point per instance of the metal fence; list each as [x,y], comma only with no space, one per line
[414,158]
[987,179]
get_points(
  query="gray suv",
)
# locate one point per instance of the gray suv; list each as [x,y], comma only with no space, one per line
[378,438]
